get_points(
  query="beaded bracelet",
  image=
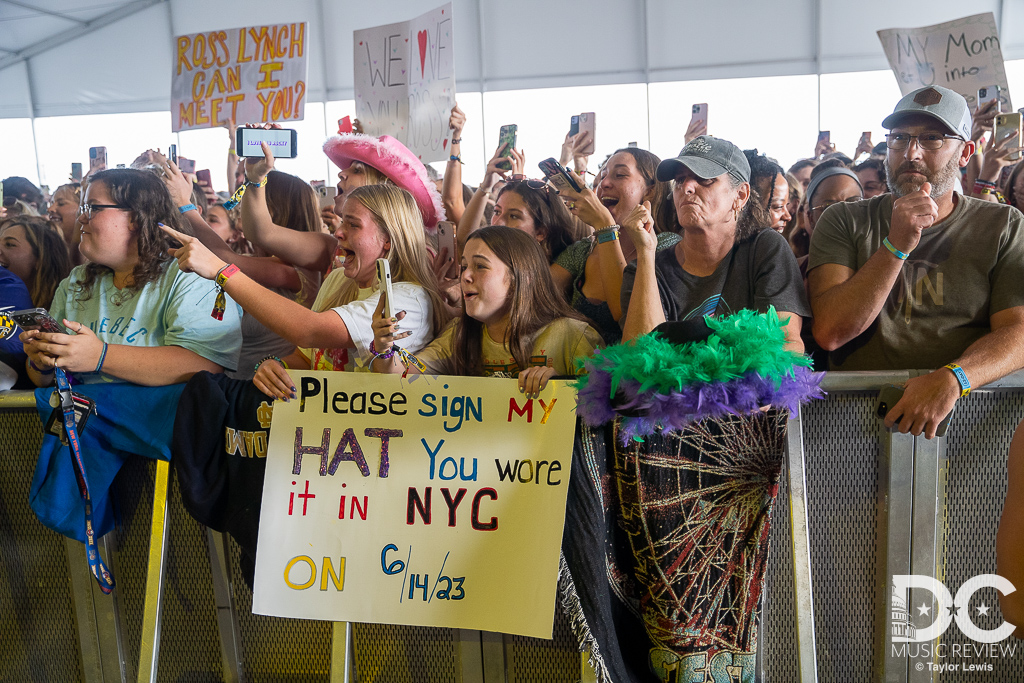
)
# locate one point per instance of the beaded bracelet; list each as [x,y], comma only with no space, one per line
[265,359]
[383,355]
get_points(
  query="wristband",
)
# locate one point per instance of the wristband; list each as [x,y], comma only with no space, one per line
[455,157]
[253,183]
[221,304]
[43,371]
[265,359]
[186,208]
[609,235]
[456,141]
[224,273]
[103,357]
[895,252]
[961,377]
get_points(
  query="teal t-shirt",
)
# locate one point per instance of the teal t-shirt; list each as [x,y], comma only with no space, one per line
[173,310]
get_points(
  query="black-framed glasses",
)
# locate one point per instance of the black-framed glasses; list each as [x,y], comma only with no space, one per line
[86,210]
[929,141]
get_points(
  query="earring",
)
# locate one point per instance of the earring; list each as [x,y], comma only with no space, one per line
[736,215]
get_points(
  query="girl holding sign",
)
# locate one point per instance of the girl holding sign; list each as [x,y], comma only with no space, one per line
[377,221]
[514,322]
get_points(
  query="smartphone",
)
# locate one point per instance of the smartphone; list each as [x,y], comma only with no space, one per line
[97,159]
[890,395]
[557,175]
[326,195]
[204,179]
[988,93]
[631,144]
[574,124]
[446,240]
[699,112]
[345,124]
[37,319]
[1009,126]
[282,142]
[186,165]
[865,139]
[172,154]
[826,137]
[76,172]
[587,123]
[507,138]
[384,282]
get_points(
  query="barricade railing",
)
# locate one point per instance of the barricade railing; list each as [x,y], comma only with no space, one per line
[864,504]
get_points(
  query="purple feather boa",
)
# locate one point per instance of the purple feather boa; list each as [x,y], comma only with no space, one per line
[693,403]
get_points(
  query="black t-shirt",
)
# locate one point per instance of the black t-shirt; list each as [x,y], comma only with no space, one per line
[759,272]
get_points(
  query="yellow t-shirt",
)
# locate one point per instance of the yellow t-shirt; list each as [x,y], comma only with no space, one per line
[556,346]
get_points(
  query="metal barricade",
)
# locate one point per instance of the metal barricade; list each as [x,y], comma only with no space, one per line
[863,504]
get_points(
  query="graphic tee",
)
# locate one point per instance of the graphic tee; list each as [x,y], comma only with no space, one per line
[963,270]
[556,345]
[173,310]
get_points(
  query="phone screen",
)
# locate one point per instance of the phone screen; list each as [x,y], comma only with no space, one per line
[76,172]
[574,125]
[278,139]
[172,154]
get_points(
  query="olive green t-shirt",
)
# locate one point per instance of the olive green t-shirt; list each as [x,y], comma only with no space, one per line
[964,269]
[557,345]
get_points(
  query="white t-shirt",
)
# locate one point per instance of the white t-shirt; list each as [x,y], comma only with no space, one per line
[357,316]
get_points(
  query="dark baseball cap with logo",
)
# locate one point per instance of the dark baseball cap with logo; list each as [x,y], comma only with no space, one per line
[707,157]
[942,104]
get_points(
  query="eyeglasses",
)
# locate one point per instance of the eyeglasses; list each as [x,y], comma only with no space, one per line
[829,202]
[86,210]
[929,141]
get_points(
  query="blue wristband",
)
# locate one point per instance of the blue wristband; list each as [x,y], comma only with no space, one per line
[103,357]
[961,378]
[895,252]
[187,208]
[609,235]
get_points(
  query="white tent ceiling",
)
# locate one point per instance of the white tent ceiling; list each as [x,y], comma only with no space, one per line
[64,57]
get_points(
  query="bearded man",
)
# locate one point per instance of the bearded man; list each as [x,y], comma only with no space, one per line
[924,277]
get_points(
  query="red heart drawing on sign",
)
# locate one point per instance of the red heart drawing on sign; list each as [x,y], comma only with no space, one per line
[444,144]
[422,38]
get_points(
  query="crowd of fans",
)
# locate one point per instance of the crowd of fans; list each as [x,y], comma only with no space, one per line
[907,255]
[834,246]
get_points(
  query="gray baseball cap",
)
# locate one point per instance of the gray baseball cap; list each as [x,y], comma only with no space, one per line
[942,104]
[707,157]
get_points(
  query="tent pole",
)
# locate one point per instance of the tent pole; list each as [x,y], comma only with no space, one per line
[32,118]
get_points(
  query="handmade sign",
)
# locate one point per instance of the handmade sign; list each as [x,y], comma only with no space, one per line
[251,74]
[405,81]
[430,501]
[962,55]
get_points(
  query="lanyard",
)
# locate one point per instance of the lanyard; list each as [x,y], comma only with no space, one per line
[67,404]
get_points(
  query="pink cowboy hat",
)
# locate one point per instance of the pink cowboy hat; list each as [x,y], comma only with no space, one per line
[393,159]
